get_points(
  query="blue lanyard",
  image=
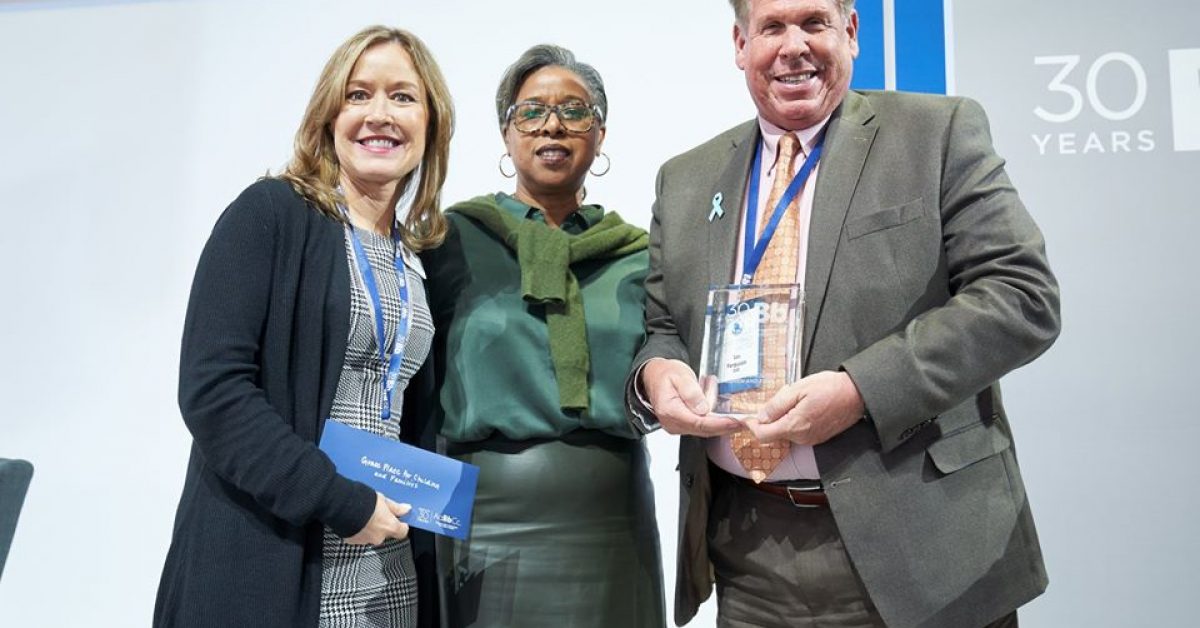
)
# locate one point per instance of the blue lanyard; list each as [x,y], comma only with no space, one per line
[396,360]
[753,252]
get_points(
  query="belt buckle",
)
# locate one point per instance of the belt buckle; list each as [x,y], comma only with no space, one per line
[795,493]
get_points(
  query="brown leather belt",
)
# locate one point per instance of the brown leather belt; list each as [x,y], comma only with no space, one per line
[801,493]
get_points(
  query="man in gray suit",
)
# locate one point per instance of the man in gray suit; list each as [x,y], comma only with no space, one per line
[899,501]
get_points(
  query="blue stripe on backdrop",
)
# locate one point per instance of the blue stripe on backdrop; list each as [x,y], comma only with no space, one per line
[919,32]
[920,46]
[869,68]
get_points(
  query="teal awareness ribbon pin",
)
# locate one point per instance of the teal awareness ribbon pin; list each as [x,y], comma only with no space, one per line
[717,211]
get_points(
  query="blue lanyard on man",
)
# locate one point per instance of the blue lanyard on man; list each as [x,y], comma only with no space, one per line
[753,251]
[396,359]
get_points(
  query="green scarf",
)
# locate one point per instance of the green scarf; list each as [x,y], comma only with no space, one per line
[545,255]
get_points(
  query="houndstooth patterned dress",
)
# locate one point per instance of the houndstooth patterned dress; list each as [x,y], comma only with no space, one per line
[368,586]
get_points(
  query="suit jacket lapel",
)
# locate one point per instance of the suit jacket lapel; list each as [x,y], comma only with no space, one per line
[847,143]
[731,185]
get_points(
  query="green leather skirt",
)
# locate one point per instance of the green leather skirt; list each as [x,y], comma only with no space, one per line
[563,534]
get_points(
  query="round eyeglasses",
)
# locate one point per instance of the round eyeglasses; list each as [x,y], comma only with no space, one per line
[530,116]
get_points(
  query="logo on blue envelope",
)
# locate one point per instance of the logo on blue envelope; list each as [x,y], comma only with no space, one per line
[441,490]
[442,520]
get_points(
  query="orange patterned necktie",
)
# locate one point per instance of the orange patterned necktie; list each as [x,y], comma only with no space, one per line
[778,266]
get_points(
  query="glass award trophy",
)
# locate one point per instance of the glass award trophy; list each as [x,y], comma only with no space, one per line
[751,345]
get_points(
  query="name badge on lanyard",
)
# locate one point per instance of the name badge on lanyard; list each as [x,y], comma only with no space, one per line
[752,250]
[740,316]
[440,490]
[741,347]
[393,362]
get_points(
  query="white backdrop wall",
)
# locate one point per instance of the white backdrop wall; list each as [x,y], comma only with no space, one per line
[125,128]
[1090,105]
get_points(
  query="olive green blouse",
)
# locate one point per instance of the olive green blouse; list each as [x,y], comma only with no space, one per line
[493,346]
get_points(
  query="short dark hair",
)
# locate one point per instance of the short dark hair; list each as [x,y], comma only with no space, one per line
[542,56]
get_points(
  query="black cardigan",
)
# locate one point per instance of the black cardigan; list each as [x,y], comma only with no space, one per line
[263,344]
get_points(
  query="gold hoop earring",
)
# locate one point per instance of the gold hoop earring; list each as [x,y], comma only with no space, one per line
[501,166]
[607,165]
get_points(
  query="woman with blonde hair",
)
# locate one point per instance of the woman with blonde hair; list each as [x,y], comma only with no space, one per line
[308,305]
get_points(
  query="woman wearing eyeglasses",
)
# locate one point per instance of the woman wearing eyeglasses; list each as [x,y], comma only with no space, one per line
[537,299]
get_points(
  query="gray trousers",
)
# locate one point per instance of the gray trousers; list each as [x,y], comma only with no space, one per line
[777,565]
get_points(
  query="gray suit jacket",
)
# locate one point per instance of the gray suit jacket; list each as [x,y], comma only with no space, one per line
[926,281]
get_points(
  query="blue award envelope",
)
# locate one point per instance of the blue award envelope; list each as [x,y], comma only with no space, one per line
[440,489]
